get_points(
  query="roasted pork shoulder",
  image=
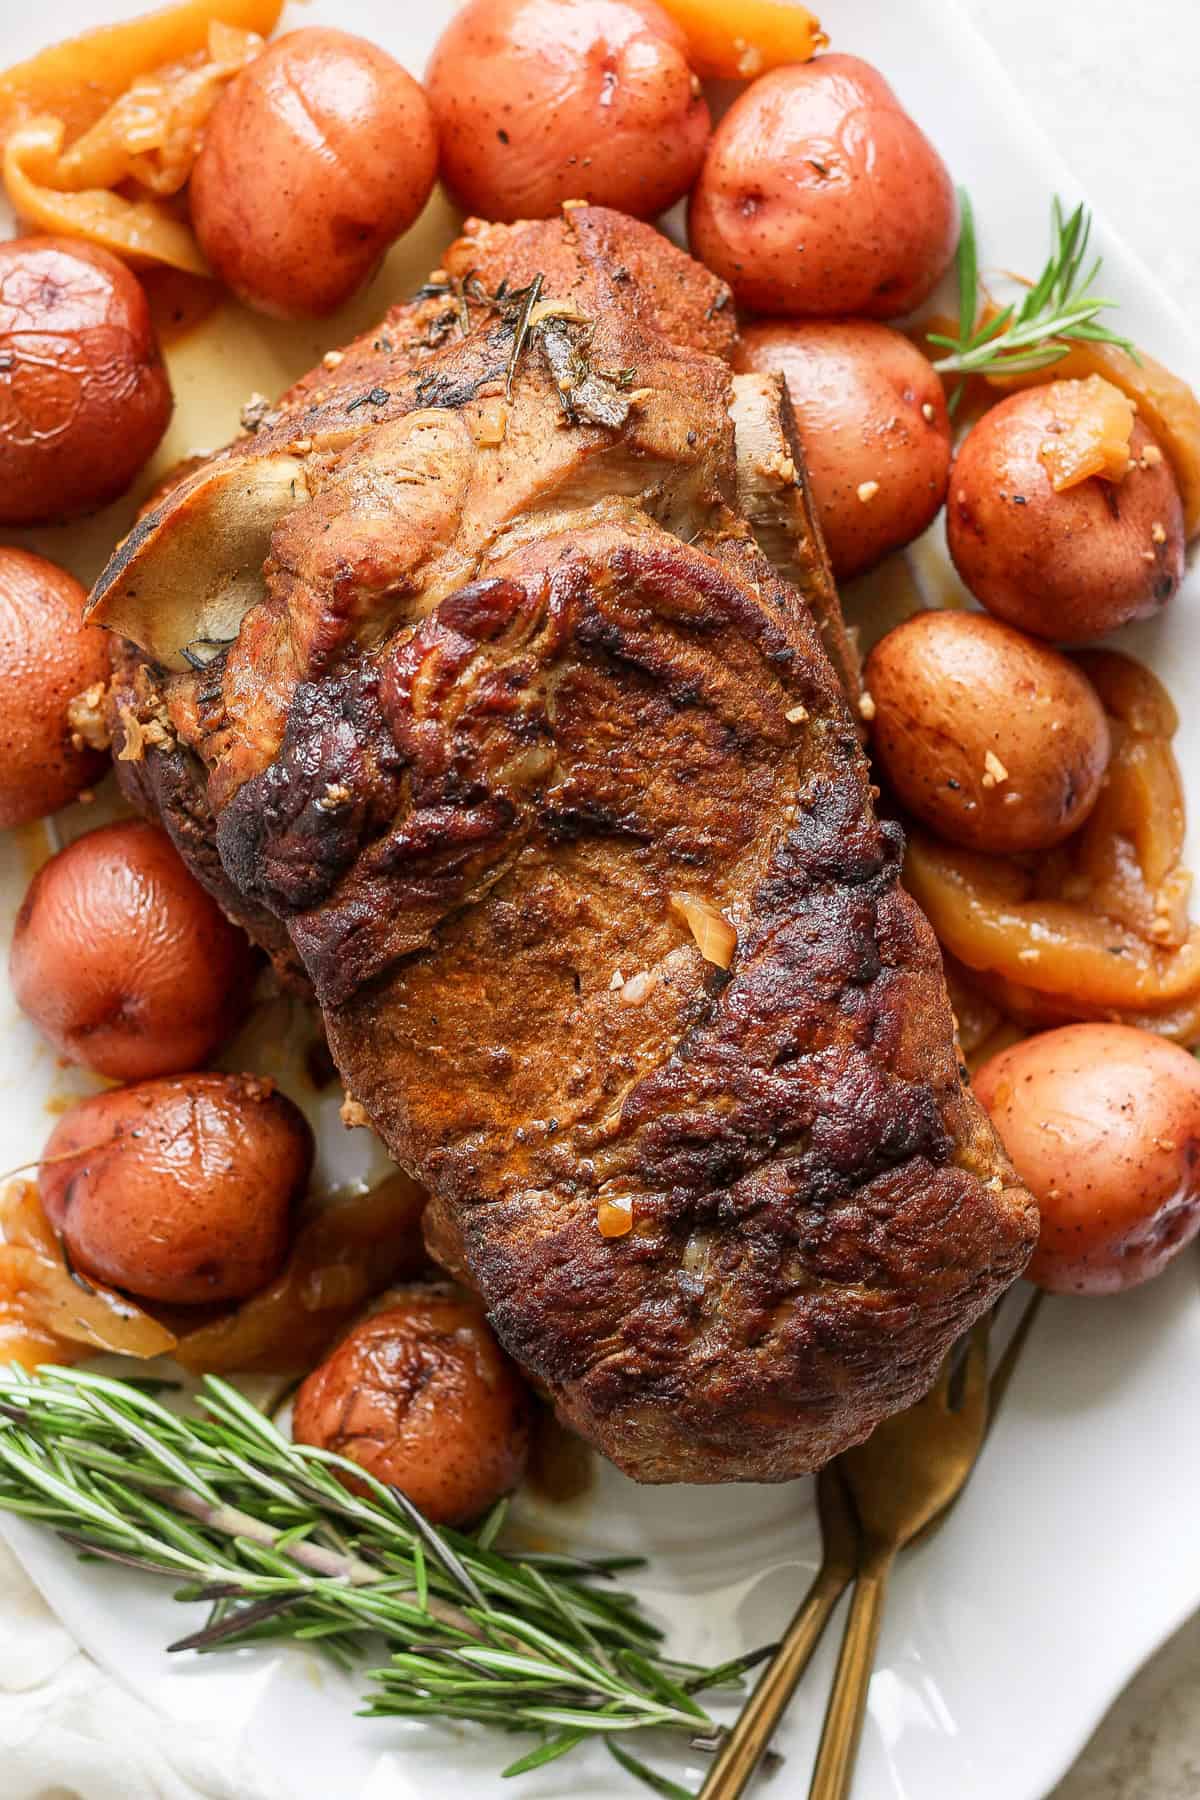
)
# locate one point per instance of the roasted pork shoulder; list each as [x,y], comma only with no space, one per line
[495,679]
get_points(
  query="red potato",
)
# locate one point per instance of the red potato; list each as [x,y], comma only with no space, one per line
[123,961]
[422,1397]
[316,158]
[541,101]
[1103,1125]
[47,657]
[820,195]
[872,420]
[993,739]
[1072,565]
[84,395]
[180,1190]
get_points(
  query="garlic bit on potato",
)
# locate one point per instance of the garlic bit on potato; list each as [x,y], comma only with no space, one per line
[871,416]
[994,740]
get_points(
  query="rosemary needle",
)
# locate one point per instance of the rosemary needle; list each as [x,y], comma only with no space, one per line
[265,1532]
[1057,310]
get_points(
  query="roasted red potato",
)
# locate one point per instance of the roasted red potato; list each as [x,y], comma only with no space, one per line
[1103,1125]
[423,1398]
[820,195]
[48,657]
[541,101]
[316,158]
[1069,564]
[181,1190]
[993,739]
[123,961]
[84,396]
[873,423]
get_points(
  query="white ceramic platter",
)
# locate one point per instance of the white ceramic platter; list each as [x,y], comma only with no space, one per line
[1075,1549]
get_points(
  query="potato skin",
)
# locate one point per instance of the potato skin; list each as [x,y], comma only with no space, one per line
[422,1397]
[316,157]
[870,410]
[123,961]
[1069,566]
[820,195]
[1103,1125]
[84,395]
[182,1190]
[47,656]
[950,687]
[541,101]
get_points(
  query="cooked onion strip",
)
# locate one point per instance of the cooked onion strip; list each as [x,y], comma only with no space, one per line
[1099,928]
[989,924]
[1090,435]
[42,1301]
[152,133]
[343,1256]
[111,184]
[142,231]
[715,937]
[76,80]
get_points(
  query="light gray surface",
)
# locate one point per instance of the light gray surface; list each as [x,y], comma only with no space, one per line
[1113,86]
[1110,83]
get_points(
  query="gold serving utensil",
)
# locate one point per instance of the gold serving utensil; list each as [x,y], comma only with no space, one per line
[748,1739]
[906,1474]
[902,1482]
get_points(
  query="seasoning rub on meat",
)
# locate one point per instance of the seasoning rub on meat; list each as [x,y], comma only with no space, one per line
[490,712]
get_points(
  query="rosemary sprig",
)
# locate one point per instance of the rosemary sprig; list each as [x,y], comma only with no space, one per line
[264,1532]
[1058,309]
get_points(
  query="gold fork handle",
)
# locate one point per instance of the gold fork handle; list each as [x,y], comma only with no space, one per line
[742,1750]
[836,1757]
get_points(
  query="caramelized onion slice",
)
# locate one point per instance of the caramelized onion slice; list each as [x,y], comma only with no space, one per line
[344,1255]
[30,1346]
[152,132]
[137,230]
[42,1299]
[1092,426]
[1054,945]
[1130,691]
[76,80]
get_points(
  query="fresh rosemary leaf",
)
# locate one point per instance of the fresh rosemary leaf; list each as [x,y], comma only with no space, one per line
[267,1534]
[660,1684]
[659,1784]
[575,1628]
[595,1722]
[967,268]
[724,1675]
[490,1530]
[1058,308]
[548,1752]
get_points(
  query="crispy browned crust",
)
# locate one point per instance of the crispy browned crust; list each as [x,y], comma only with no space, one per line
[820,1205]
[168,783]
[482,733]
